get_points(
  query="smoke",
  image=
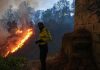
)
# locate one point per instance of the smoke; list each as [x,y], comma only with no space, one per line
[5,4]
[3,33]
[23,12]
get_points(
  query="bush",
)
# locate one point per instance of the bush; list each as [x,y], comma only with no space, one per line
[11,63]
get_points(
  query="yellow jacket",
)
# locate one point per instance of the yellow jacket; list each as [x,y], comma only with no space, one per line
[45,36]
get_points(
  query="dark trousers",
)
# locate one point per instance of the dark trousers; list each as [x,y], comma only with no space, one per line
[43,55]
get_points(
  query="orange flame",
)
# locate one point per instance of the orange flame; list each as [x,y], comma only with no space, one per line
[20,42]
[29,33]
[18,31]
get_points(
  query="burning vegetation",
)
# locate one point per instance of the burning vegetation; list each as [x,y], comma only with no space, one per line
[18,42]
[18,36]
[20,28]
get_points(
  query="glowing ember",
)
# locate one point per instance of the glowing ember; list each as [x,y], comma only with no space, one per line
[25,35]
[19,31]
[6,54]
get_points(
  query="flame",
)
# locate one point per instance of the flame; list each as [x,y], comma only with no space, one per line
[25,35]
[21,43]
[6,54]
[19,31]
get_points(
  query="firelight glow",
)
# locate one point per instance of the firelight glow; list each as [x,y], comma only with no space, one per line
[19,44]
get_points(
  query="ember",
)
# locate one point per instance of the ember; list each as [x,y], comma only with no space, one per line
[22,38]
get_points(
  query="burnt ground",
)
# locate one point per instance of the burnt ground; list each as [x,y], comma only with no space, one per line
[53,63]
[58,62]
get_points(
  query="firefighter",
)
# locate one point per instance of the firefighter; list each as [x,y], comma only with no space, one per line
[44,38]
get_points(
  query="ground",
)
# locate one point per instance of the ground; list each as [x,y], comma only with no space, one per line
[53,63]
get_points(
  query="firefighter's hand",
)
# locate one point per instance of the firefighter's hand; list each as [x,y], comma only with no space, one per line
[39,41]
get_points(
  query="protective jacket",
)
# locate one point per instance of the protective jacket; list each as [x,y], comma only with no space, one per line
[44,36]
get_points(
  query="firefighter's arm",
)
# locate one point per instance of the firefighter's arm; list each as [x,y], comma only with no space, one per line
[39,40]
